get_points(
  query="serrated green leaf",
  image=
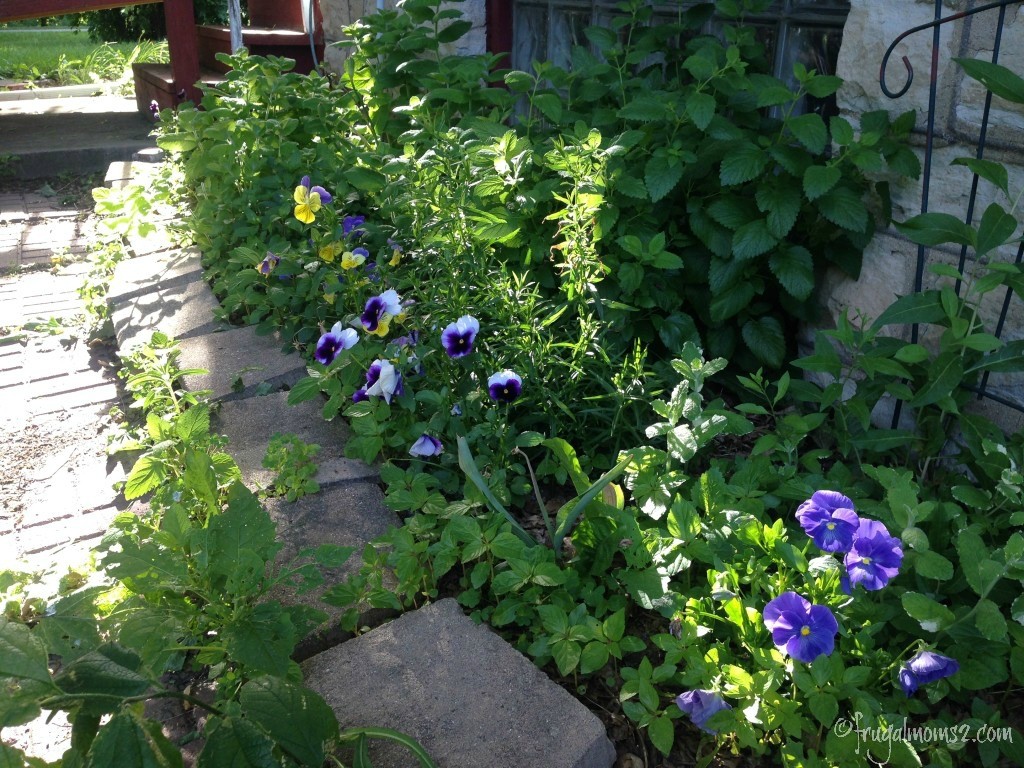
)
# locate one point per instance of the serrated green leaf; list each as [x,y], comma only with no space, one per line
[177,142]
[22,656]
[677,329]
[661,176]
[824,707]
[932,565]
[842,131]
[193,424]
[743,162]
[147,473]
[780,199]
[732,301]
[644,108]
[752,240]
[662,733]
[844,208]
[298,719]
[124,742]
[809,129]
[701,108]
[821,86]
[566,654]
[990,621]
[765,338]
[454,31]
[981,571]
[819,179]
[303,390]
[263,642]
[519,82]
[235,742]
[550,105]
[794,268]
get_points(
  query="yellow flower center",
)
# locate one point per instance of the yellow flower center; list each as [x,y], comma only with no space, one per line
[805,631]
[866,560]
[831,526]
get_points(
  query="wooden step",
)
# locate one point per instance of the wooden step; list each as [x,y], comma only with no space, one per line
[289,43]
[154,82]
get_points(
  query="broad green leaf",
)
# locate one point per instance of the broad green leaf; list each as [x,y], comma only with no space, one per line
[244,526]
[995,229]
[824,707]
[819,179]
[842,131]
[519,82]
[365,179]
[594,657]
[733,210]
[990,621]
[262,642]
[821,86]
[924,307]
[932,616]
[765,338]
[981,571]
[701,108]
[932,565]
[303,390]
[454,31]
[844,208]
[297,718]
[809,129]
[662,733]
[752,240]
[677,329]
[780,199]
[989,170]
[177,142]
[193,424]
[22,656]
[566,654]
[644,108]
[794,268]
[997,78]
[661,176]
[235,742]
[550,105]
[200,477]
[743,162]
[147,473]
[124,742]
[732,301]
[945,374]
[936,229]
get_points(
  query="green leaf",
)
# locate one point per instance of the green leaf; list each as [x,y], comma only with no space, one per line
[193,424]
[662,733]
[677,329]
[743,162]
[644,108]
[200,477]
[550,105]
[263,642]
[732,301]
[989,170]
[107,675]
[752,240]
[781,201]
[661,176]
[235,742]
[995,229]
[146,475]
[819,179]
[701,108]
[924,307]
[981,571]
[1007,359]
[824,707]
[303,390]
[842,131]
[945,374]
[932,616]
[844,208]
[809,129]
[794,267]
[594,657]
[124,742]
[936,229]
[932,565]
[821,86]
[990,621]
[273,703]
[244,526]
[566,654]
[468,465]
[997,78]
[766,340]
[365,179]
[22,656]
[177,142]
[454,31]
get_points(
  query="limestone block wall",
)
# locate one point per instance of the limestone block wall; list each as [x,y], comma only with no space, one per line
[890,263]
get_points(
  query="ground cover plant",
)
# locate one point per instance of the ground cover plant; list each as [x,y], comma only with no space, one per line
[523,301]
[70,57]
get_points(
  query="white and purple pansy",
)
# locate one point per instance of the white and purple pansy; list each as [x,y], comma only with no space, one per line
[383,380]
[332,342]
[426,446]
[379,310]
[504,386]
[458,337]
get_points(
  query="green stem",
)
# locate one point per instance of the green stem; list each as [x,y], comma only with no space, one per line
[354,734]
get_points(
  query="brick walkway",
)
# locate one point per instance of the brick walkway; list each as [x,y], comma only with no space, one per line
[33,228]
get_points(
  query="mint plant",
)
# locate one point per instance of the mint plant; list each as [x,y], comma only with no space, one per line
[294,462]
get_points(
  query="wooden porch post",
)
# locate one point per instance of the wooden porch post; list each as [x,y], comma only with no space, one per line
[183,45]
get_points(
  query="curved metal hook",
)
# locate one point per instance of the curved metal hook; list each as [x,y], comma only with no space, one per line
[929,25]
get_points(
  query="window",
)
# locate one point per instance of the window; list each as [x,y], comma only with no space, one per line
[792,30]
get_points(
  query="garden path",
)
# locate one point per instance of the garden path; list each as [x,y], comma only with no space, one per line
[464,693]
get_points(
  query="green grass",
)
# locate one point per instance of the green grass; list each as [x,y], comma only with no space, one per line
[69,57]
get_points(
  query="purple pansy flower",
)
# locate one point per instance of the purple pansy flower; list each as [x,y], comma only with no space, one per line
[359,395]
[350,225]
[701,706]
[270,261]
[154,109]
[926,667]
[459,336]
[828,518]
[383,380]
[379,310]
[875,556]
[800,629]
[504,387]
[425,446]
[332,342]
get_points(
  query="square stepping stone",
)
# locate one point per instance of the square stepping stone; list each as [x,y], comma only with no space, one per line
[237,362]
[177,309]
[134,277]
[460,690]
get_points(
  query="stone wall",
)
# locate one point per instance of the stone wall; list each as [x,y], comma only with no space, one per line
[890,263]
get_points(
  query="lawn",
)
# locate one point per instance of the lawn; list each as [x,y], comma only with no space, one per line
[68,57]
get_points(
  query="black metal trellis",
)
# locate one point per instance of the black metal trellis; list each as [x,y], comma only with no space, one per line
[982,389]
